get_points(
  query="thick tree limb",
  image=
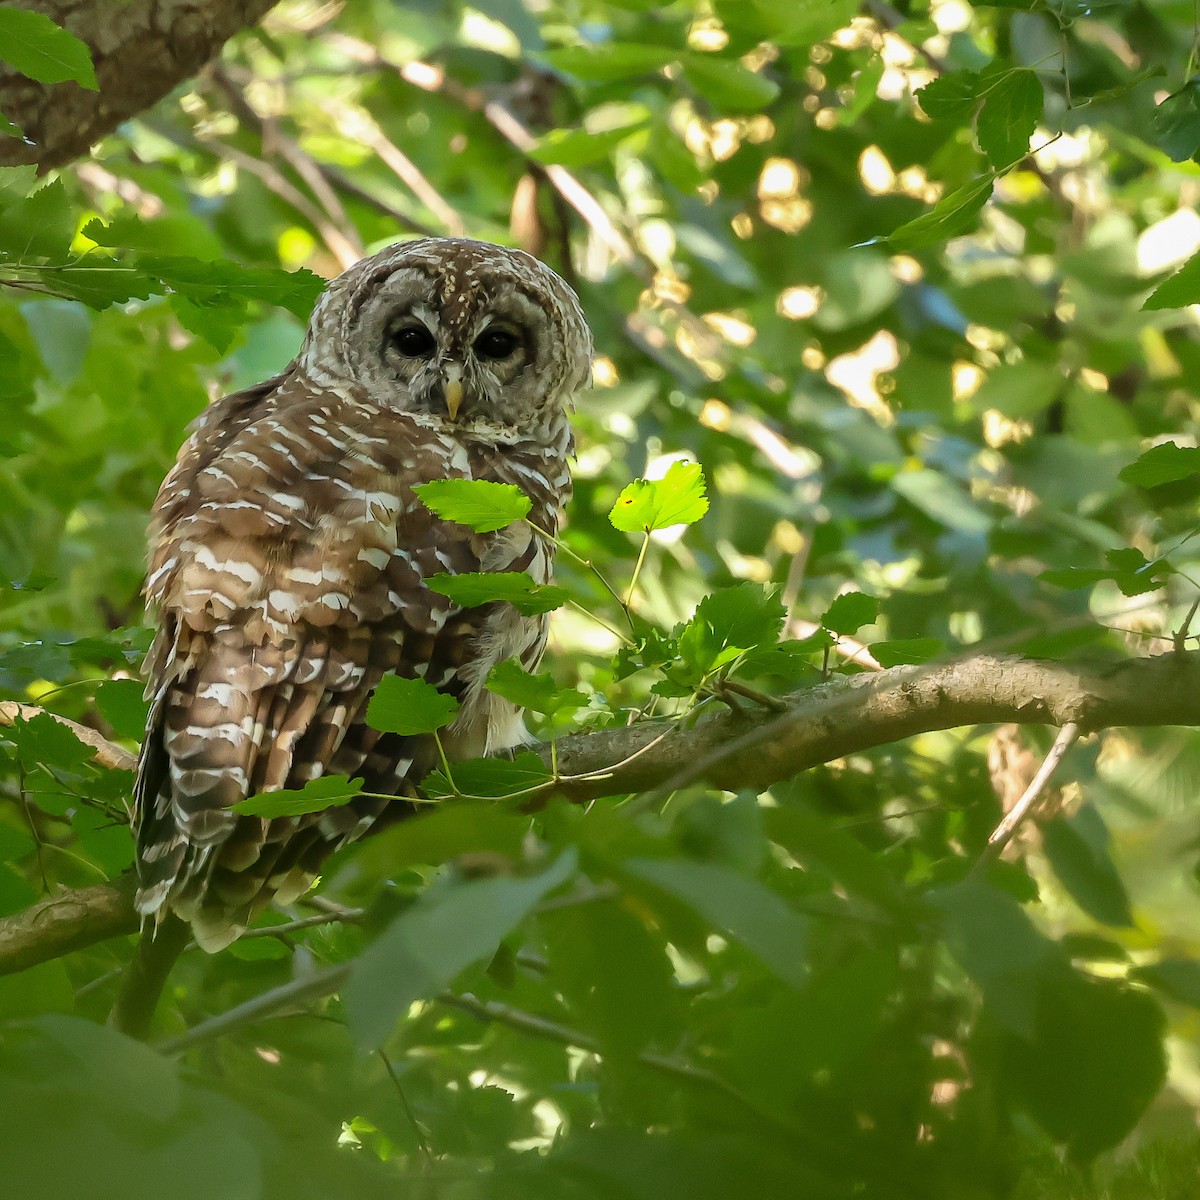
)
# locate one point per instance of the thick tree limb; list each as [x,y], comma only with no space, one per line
[67,921]
[732,750]
[141,50]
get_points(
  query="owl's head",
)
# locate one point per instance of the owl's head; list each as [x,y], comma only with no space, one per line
[457,330]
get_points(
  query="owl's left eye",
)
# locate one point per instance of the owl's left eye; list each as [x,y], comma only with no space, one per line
[496,343]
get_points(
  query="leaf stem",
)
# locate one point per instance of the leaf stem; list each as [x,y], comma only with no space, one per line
[637,570]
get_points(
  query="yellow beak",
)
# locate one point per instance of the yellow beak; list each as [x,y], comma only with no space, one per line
[454,396]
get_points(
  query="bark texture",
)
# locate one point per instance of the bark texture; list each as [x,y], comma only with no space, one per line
[141,49]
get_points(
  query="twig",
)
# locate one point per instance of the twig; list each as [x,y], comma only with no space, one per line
[268,1004]
[347,916]
[502,1014]
[418,1132]
[1003,832]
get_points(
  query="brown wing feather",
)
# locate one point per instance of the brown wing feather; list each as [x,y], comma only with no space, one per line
[288,562]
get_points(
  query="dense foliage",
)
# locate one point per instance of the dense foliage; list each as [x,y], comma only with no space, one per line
[900,284]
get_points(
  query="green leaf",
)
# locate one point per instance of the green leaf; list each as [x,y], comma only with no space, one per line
[739,907]
[329,791]
[1077,849]
[44,51]
[1176,121]
[409,707]
[450,928]
[39,225]
[610,63]
[1165,463]
[1021,389]
[850,612]
[1010,114]
[491,777]
[537,692]
[952,96]
[998,946]
[1092,1065]
[676,499]
[1180,290]
[729,622]
[1128,568]
[473,588]
[121,704]
[482,505]
[941,499]
[906,651]
[953,214]
[1178,978]
[728,85]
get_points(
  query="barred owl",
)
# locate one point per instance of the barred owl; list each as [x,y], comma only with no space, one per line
[289,554]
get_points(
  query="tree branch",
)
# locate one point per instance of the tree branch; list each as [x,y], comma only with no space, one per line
[736,750]
[141,50]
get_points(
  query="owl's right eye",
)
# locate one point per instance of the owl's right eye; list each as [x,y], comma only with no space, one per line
[413,341]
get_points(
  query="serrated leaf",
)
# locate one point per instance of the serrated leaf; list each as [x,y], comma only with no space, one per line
[39,225]
[330,791]
[1180,290]
[449,929]
[470,589]
[951,215]
[477,503]
[737,906]
[409,707]
[728,622]
[537,692]
[1009,116]
[648,504]
[850,612]
[952,96]
[121,704]
[905,651]
[1128,568]
[44,51]
[1161,464]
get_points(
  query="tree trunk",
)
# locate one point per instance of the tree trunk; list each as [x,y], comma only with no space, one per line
[141,49]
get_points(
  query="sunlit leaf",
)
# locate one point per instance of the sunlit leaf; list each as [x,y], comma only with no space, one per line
[471,589]
[953,214]
[42,50]
[676,499]
[478,503]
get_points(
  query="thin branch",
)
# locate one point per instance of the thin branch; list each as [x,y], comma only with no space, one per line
[289,995]
[1003,832]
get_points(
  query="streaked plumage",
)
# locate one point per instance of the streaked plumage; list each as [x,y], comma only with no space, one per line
[289,554]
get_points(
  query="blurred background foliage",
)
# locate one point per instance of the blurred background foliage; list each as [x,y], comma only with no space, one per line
[883,273]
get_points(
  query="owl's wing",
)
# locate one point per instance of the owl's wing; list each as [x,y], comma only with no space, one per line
[289,561]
